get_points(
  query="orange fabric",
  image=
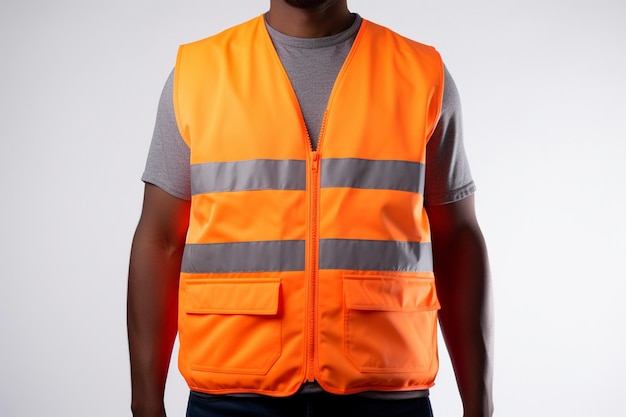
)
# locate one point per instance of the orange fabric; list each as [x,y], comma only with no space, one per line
[349,330]
[262,215]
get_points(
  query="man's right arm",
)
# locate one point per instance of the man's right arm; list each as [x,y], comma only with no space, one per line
[154,270]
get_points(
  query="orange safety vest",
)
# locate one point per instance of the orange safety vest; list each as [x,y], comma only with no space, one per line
[300,264]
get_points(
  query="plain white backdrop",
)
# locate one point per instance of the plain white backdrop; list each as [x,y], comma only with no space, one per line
[543,90]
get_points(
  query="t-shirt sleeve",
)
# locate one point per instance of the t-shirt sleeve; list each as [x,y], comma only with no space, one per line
[448,176]
[167,165]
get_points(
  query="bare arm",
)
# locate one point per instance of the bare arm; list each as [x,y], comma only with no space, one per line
[463,286]
[153,296]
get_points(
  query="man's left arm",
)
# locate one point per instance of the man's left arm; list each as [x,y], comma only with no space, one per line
[464,288]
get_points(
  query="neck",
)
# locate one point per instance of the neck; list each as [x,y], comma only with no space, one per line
[329,19]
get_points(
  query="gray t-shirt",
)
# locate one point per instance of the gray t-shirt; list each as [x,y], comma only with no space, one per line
[312,66]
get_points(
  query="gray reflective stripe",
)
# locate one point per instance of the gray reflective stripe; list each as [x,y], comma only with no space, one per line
[256,174]
[288,255]
[375,255]
[265,256]
[375,174]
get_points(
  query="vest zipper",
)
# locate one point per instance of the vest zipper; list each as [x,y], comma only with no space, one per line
[313,266]
[314,187]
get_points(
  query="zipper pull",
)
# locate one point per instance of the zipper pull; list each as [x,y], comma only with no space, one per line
[316,161]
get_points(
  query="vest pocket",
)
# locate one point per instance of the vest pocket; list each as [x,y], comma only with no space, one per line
[390,323]
[231,325]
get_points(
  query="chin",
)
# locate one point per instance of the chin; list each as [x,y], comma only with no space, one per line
[307,4]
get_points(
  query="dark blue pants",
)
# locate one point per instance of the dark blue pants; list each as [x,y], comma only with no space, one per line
[306,405]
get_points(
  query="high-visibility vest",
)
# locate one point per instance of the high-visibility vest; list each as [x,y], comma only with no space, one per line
[301,264]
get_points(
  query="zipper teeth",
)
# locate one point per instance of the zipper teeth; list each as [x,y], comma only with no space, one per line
[313,241]
[314,248]
[313,282]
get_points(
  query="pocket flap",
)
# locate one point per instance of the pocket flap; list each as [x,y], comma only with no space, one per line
[388,293]
[257,296]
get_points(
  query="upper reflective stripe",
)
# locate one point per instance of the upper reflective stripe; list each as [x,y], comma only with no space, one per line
[376,255]
[374,174]
[270,174]
[263,256]
[256,174]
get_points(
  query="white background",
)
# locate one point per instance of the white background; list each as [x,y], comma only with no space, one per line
[542,83]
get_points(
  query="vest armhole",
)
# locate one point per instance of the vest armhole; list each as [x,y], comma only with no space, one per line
[438,93]
[176,95]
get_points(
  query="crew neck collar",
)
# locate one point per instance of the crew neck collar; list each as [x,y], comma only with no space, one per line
[311,43]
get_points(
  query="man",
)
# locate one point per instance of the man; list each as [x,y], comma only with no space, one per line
[305,189]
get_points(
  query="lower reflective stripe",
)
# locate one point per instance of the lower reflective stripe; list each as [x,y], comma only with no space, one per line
[374,174]
[376,255]
[256,174]
[264,256]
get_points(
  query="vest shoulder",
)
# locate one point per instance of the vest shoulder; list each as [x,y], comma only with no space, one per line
[382,32]
[227,36]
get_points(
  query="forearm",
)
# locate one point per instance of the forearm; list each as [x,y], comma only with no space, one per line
[152,320]
[466,318]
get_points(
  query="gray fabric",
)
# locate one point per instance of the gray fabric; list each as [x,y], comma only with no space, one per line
[289,255]
[167,165]
[448,177]
[270,174]
[375,255]
[256,174]
[369,174]
[312,65]
[262,256]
